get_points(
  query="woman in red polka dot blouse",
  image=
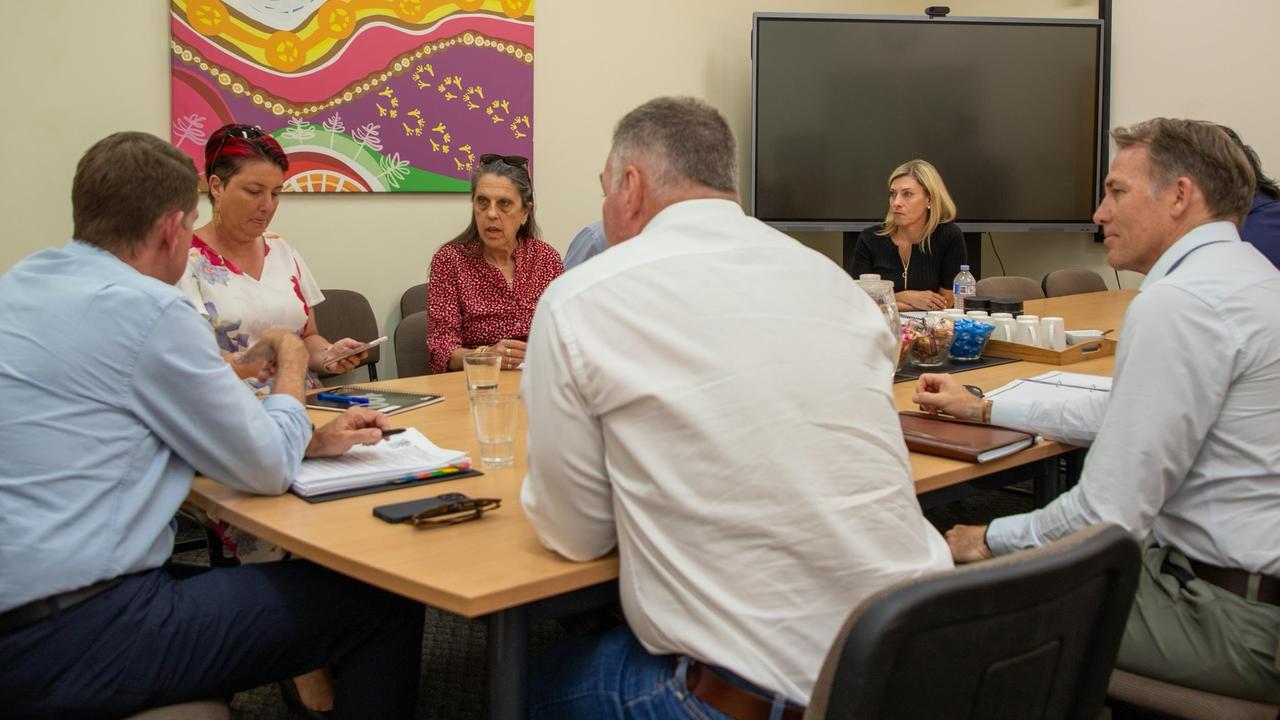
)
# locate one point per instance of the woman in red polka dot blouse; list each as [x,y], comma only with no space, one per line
[485,283]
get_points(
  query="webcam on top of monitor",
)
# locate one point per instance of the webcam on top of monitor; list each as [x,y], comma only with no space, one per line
[937,11]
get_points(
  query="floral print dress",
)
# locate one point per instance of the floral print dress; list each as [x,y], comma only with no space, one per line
[239,308]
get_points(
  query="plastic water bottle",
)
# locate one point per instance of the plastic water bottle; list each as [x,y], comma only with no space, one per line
[963,286]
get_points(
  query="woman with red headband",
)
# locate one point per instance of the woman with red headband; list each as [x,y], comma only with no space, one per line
[247,280]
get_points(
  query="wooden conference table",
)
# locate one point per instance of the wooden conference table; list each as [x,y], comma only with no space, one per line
[496,568]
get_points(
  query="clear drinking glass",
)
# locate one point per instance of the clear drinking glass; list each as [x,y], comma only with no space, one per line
[482,370]
[495,418]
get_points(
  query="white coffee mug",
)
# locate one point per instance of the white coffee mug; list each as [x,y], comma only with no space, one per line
[1025,316]
[1005,327]
[976,313]
[1027,331]
[1053,333]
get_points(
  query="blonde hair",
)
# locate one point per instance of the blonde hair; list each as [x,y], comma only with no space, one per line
[942,209]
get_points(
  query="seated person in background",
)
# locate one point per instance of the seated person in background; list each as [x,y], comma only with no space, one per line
[244,279]
[589,242]
[115,397]
[1184,447]
[754,500]
[1261,227]
[918,247]
[485,283]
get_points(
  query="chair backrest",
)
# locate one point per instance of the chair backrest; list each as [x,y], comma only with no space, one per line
[1071,282]
[1010,286]
[1030,635]
[347,313]
[413,300]
[412,355]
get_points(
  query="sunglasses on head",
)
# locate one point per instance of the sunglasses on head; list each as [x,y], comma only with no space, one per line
[516,160]
[244,132]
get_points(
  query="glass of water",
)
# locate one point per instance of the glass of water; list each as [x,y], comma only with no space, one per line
[482,370]
[495,417]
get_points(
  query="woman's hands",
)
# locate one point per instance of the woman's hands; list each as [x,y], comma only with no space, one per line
[512,352]
[328,357]
[921,300]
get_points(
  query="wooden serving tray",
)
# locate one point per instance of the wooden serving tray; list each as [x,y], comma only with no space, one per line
[1087,350]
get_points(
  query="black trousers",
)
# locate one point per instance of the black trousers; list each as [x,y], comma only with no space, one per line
[159,639]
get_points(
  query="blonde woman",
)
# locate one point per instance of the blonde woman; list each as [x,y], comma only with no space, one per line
[918,247]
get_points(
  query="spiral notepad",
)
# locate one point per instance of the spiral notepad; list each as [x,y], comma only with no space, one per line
[384,401]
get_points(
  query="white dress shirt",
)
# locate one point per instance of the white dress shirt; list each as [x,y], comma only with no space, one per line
[1187,445]
[715,399]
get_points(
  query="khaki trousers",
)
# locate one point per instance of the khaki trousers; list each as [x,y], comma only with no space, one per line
[1199,635]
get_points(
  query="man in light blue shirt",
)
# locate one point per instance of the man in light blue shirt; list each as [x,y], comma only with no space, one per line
[589,242]
[1184,447]
[114,396]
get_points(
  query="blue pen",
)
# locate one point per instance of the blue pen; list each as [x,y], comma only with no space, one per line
[348,399]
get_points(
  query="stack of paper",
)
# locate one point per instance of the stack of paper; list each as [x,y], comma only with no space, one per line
[407,456]
[1050,386]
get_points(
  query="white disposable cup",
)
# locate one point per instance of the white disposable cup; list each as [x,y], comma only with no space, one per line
[1053,333]
[495,420]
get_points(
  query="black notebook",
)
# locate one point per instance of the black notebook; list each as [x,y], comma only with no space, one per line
[385,401]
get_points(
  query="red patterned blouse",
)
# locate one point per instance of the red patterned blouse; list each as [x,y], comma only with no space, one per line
[470,304]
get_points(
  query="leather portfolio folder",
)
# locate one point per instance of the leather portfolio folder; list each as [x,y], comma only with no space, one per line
[960,439]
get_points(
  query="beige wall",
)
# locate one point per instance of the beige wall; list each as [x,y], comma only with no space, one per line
[76,71]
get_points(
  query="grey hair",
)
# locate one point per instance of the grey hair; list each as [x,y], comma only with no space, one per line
[519,176]
[683,140]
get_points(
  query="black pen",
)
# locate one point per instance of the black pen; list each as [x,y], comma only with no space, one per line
[393,431]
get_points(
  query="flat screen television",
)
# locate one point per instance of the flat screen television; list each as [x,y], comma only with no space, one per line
[1009,110]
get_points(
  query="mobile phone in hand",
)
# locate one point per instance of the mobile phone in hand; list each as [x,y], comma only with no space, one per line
[356,350]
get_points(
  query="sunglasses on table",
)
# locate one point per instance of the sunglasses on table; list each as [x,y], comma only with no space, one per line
[516,160]
[455,512]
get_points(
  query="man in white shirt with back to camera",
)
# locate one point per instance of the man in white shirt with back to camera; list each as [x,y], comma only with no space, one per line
[1186,446]
[713,399]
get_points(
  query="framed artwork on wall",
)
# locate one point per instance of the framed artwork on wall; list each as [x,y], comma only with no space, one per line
[364,95]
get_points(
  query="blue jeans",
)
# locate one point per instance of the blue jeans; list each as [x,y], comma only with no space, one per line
[160,639]
[612,676]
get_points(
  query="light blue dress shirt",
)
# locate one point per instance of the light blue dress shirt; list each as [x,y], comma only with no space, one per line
[589,242]
[112,394]
[1185,445]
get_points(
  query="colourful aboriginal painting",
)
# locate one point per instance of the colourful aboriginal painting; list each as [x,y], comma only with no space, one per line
[364,95]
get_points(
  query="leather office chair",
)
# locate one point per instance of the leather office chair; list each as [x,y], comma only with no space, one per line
[1071,282]
[412,355]
[347,313]
[413,300]
[1030,635]
[1183,702]
[1010,286]
[200,710]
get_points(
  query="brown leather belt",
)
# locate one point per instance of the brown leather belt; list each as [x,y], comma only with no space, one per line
[1235,580]
[37,610]
[733,700]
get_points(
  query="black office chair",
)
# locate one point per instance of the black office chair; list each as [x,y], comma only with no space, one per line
[1032,635]
[412,355]
[413,300]
[347,313]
